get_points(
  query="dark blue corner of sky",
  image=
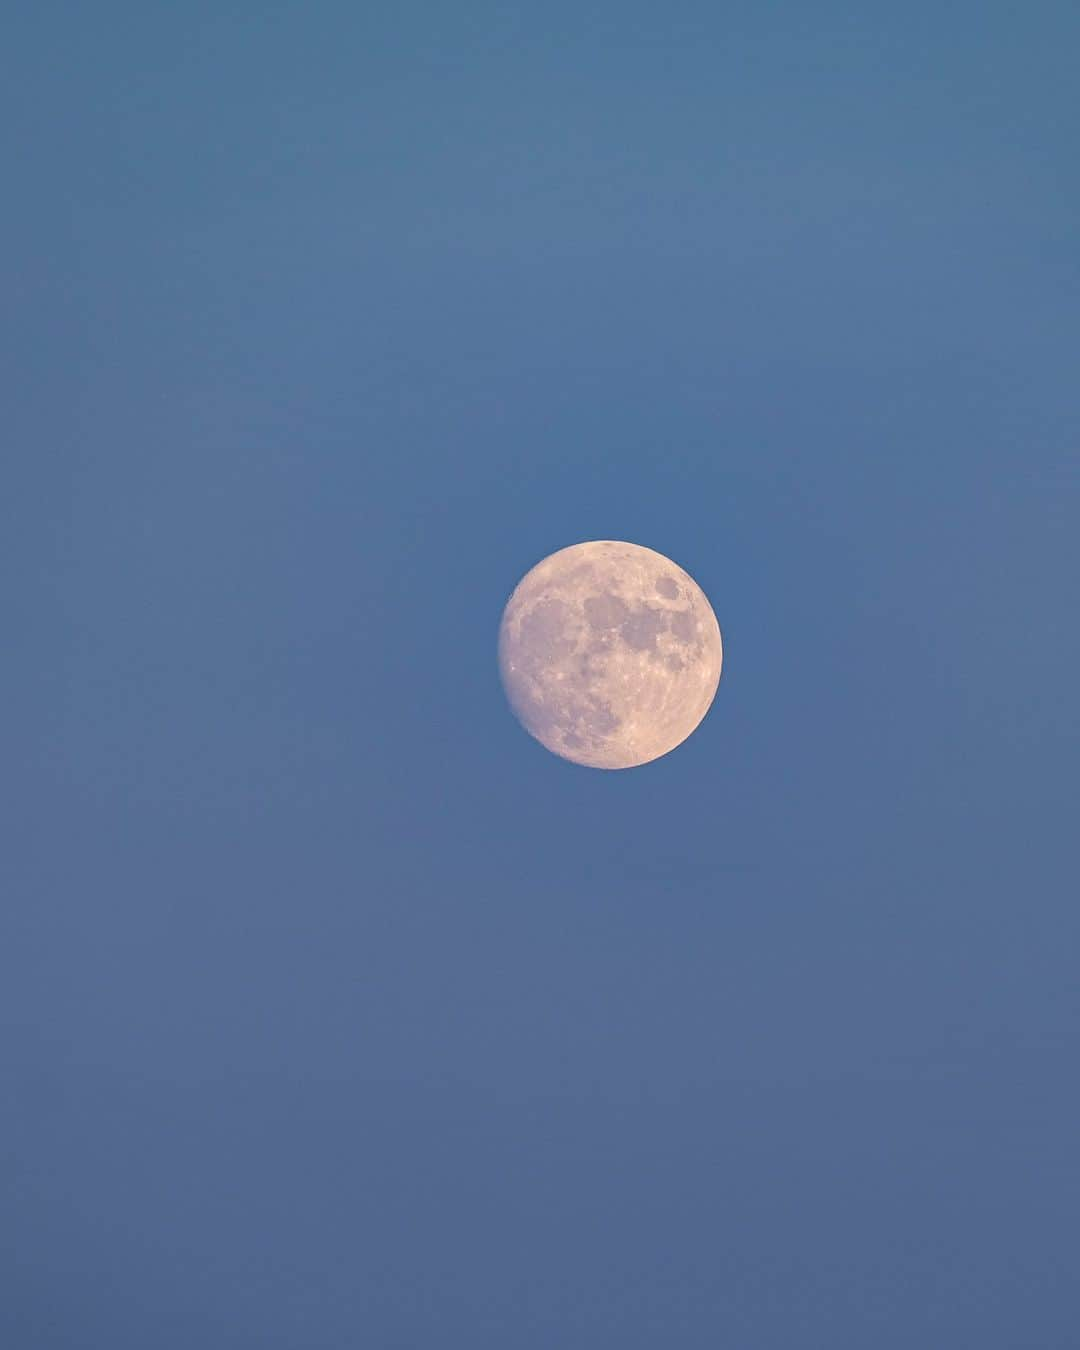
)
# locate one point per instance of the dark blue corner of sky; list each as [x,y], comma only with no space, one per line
[334,1011]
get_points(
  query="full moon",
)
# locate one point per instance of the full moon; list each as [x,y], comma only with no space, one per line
[609,653]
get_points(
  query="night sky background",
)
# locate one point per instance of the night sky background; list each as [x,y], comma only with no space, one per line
[335,1011]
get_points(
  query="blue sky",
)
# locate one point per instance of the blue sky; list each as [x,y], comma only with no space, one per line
[338,1012]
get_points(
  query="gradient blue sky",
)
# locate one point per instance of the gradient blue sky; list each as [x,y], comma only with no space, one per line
[335,1011]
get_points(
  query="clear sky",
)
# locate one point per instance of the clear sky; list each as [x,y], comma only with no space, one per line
[334,1011]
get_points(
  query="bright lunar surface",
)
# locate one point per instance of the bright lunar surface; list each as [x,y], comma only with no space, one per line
[609,653]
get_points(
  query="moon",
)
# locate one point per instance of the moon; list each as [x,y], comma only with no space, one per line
[609,653]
